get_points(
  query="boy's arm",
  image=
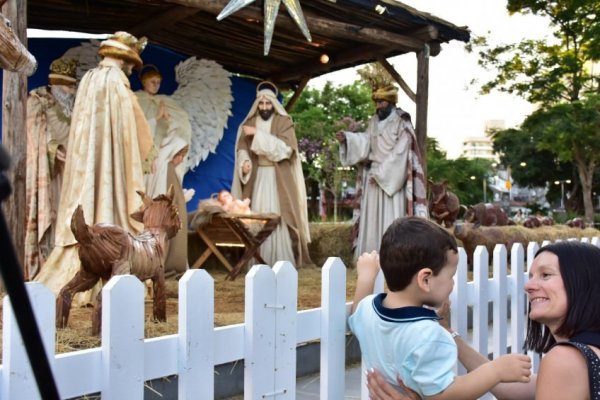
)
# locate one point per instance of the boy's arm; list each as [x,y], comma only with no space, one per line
[471,359]
[367,268]
[507,368]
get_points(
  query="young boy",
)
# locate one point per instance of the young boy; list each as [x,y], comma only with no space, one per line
[399,336]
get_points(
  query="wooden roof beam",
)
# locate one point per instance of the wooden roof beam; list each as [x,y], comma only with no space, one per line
[162,20]
[297,92]
[317,25]
[392,71]
[340,60]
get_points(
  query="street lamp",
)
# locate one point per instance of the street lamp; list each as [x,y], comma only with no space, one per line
[562,191]
[484,183]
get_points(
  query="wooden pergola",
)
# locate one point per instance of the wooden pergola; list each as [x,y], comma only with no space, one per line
[349,32]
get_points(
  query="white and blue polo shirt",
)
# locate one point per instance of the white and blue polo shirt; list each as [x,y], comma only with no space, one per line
[405,342]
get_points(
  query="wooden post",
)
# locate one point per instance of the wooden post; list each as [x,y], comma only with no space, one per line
[14,105]
[292,101]
[422,99]
[13,54]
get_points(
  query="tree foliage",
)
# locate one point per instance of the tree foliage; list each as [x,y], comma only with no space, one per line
[465,177]
[318,115]
[572,132]
[542,72]
[559,77]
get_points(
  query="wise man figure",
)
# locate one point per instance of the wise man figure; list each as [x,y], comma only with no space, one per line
[392,177]
[110,149]
[49,110]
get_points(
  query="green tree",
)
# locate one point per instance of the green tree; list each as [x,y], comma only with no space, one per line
[318,115]
[557,76]
[572,132]
[465,177]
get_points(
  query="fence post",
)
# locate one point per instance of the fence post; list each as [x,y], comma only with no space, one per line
[196,336]
[481,298]
[286,314]
[18,381]
[499,299]
[517,297]
[459,303]
[123,338]
[259,335]
[532,248]
[333,329]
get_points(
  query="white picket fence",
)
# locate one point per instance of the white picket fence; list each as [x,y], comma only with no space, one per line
[266,341]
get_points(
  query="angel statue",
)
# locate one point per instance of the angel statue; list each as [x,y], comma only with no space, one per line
[165,116]
[203,92]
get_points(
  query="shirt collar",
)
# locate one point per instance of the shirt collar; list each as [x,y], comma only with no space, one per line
[402,314]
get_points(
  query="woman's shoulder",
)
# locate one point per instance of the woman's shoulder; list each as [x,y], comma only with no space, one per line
[562,359]
[563,374]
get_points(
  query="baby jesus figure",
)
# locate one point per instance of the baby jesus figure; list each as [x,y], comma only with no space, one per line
[232,205]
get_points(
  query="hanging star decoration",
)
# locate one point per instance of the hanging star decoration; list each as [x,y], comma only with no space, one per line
[271,8]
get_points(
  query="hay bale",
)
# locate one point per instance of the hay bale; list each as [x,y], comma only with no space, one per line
[545,232]
[331,240]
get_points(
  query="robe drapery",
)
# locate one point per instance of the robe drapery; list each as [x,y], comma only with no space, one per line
[275,184]
[178,122]
[110,147]
[390,155]
[158,183]
[47,129]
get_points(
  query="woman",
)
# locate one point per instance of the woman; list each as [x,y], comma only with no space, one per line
[564,322]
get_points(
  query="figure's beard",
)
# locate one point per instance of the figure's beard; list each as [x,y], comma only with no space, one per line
[65,100]
[385,112]
[265,114]
[127,69]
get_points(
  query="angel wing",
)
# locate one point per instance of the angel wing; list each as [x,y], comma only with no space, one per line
[204,91]
[86,55]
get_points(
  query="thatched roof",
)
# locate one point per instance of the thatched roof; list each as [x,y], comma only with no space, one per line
[350,32]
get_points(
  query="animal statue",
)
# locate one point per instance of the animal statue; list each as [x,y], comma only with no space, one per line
[576,223]
[472,236]
[547,221]
[486,214]
[443,204]
[106,250]
[532,222]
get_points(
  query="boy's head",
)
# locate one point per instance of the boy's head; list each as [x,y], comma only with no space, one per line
[410,244]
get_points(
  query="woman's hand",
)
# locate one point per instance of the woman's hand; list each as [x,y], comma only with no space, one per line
[380,389]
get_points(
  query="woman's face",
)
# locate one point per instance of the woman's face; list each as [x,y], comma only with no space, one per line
[151,85]
[546,291]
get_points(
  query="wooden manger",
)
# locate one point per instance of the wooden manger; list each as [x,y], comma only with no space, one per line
[221,229]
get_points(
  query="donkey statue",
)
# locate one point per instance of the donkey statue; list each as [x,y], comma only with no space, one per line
[106,250]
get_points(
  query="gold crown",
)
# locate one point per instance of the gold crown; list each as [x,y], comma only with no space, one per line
[63,71]
[124,46]
[380,81]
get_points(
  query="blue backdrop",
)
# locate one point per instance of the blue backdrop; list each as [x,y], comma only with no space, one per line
[211,175]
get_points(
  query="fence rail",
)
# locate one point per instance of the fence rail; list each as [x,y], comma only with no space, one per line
[266,341]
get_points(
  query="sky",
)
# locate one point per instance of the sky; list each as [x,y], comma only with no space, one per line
[456,109]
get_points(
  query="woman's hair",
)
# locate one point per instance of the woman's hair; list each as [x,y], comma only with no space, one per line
[579,265]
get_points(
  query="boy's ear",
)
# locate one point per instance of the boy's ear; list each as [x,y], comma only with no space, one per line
[423,277]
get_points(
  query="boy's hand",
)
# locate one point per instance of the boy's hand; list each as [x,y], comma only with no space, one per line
[444,313]
[367,268]
[513,368]
[368,264]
